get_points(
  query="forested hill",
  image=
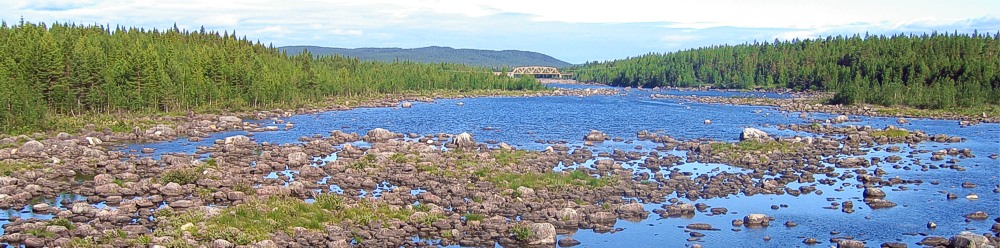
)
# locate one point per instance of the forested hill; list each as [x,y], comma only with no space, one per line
[60,70]
[925,71]
[435,54]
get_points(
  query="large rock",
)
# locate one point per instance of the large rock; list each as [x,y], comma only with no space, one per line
[700,226]
[378,135]
[298,159]
[464,140]
[94,141]
[568,214]
[31,147]
[876,203]
[230,118]
[845,243]
[871,192]
[238,140]
[595,136]
[753,134]
[968,240]
[161,130]
[933,241]
[545,234]
[978,215]
[172,189]
[756,220]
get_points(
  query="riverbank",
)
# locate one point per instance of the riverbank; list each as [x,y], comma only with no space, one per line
[816,102]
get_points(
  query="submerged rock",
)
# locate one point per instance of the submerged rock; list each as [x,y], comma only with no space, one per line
[756,220]
[595,136]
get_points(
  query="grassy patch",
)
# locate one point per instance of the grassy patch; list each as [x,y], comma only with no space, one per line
[550,180]
[63,222]
[9,168]
[41,233]
[892,133]
[473,217]
[505,157]
[181,176]
[522,232]
[420,207]
[121,123]
[255,220]
[748,146]
[368,161]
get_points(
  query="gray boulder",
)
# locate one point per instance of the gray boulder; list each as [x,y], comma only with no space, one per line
[545,234]
[31,147]
[968,240]
[756,220]
[464,140]
[378,135]
[595,136]
[298,158]
[230,118]
[753,134]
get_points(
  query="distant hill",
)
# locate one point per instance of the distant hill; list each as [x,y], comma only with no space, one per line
[436,54]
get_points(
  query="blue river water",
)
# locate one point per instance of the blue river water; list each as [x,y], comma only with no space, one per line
[528,122]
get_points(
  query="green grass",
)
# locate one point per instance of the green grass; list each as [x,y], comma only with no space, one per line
[522,232]
[63,223]
[181,176]
[8,168]
[368,161]
[402,159]
[747,146]
[551,180]
[245,187]
[41,233]
[505,157]
[473,217]
[121,123]
[420,207]
[892,133]
[255,220]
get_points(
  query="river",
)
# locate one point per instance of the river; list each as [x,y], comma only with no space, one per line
[534,123]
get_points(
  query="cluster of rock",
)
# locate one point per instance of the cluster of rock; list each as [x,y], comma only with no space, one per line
[240,171]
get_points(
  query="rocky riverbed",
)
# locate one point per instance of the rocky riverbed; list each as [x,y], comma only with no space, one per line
[384,188]
[380,188]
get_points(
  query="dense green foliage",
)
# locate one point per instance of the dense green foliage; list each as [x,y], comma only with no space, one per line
[71,70]
[434,54]
[925,71]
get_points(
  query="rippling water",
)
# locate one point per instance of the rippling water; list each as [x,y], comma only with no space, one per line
[524,122]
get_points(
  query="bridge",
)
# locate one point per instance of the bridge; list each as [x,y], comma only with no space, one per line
[537,72]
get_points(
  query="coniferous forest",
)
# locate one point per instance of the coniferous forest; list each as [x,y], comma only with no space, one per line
[68,69]
[934,71]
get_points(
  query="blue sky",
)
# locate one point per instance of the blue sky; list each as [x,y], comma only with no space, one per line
[574,31]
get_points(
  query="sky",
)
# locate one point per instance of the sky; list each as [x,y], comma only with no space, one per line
[573,31]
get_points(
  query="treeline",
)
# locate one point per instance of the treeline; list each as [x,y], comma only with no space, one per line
[67,69]
[925,71]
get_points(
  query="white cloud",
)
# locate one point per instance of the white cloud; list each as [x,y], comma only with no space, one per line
[348,32]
